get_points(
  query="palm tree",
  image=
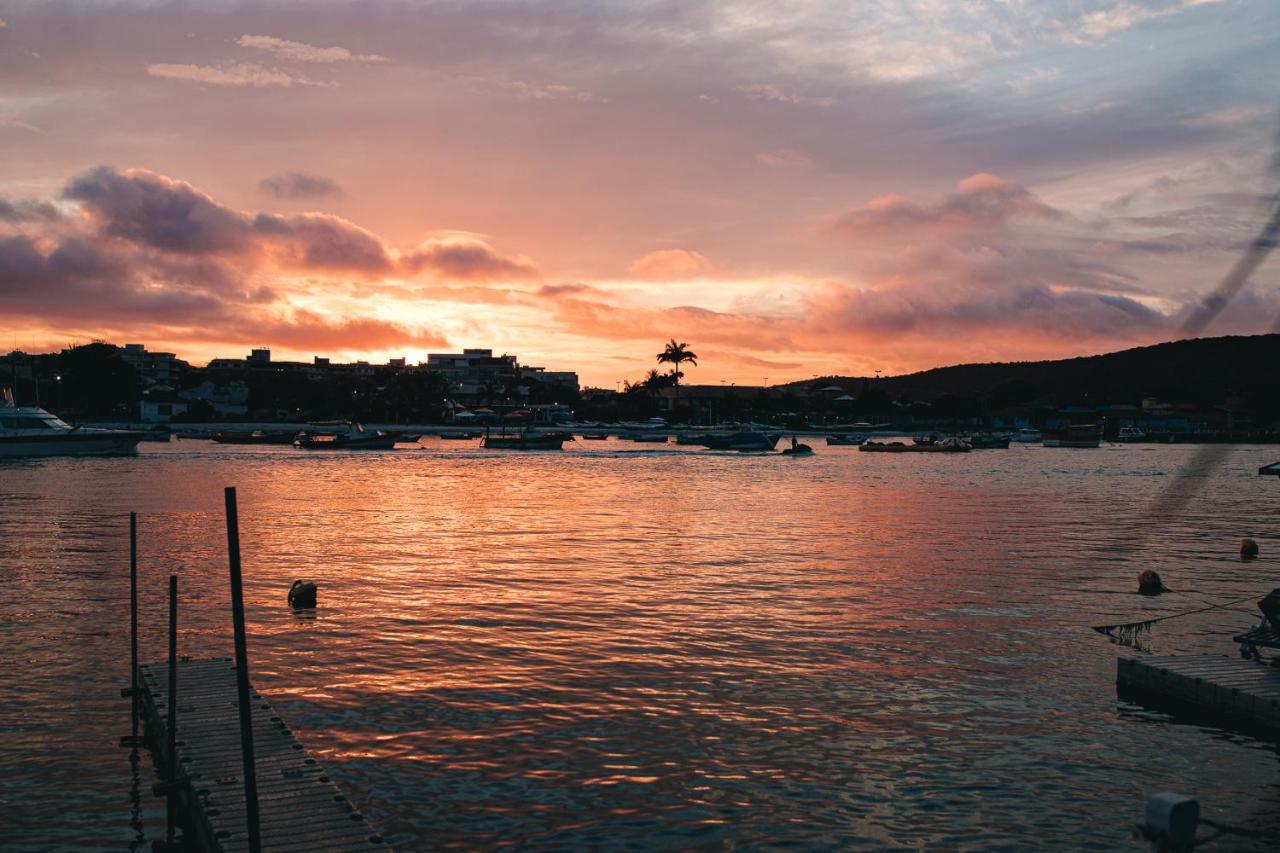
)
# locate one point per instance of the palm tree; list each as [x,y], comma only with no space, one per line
[675,354]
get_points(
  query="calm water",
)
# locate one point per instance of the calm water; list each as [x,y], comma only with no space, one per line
[618,647]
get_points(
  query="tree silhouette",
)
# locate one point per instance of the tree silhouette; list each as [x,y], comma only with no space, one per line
[676,354]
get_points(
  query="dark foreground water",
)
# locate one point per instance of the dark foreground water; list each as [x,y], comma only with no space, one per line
[610,647]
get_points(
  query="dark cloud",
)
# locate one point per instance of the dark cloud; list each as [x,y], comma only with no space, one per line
[148,208]
[294,185]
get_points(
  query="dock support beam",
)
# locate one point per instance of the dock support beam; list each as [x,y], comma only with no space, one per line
[242,676]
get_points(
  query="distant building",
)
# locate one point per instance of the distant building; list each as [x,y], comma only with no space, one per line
[160,405]
[153,368]
[478,372]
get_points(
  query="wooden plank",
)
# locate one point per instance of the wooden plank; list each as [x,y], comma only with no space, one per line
[300,807]
[1240,690]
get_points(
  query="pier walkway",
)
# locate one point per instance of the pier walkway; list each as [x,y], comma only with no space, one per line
[300,808]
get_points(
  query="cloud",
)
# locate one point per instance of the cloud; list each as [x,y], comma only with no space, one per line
[466,257]
[784,159]
[301,52]
[27,210]
[234,74]
[299,185]
[19,124]
[552,92]
[671,264]
[782,94]
[981,201]
[173,216]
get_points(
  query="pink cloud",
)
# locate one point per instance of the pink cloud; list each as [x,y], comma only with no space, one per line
[671,264]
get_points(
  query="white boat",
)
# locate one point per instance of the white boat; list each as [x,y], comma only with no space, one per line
[1131,434]
[31,431]
[1027,435]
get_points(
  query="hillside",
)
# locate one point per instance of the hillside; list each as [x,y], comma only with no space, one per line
[1204,371]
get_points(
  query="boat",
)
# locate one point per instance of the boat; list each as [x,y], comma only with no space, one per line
[988,441]
[797,449]
[946,445]
[1027,435]
[1272,470]
[32,431]
[1130,434]
[745,440]
[526,440]
[646,437]
[1076,435]
[460,436]
[601,437]
[845,440]
[357,438]
[256,436]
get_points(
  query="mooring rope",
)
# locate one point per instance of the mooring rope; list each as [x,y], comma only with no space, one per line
[1129,631]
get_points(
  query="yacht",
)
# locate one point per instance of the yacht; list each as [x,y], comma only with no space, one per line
[31,431]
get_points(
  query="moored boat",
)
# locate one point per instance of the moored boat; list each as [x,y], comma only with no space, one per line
[946,445]
[1076,435]
[356,438]
[256,436]
[527,440]
[746,440]
[845,440]
[1131,435]
[988,441]
[32,431]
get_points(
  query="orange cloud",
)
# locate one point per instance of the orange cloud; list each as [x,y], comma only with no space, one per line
[671,264]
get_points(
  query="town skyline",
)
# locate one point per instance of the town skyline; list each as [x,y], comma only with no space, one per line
[835,192]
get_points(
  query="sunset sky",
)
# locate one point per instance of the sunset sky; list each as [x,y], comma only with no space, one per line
[794,187]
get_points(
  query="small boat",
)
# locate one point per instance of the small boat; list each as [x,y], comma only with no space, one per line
[746,440]
[845,440]
[460,436]
[256,436]
[797,449]
[1027,435]
[356,439]
[32,431]
[946,445]
[988,441]
[1272,470]
[601,437]
[646,437]
[527,440]
[1130,435]
[1076,435]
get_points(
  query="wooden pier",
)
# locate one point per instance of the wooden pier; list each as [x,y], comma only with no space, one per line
[300,808]
[1244,692]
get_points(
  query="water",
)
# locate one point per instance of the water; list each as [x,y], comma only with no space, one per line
[616,647]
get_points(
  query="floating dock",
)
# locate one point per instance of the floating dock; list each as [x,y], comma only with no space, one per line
[300,808]
[1245,692]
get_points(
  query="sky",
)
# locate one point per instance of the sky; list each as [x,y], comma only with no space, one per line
[793,187]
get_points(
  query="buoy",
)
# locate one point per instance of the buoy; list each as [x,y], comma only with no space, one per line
[1149,583]
[302,595]
[1248,548]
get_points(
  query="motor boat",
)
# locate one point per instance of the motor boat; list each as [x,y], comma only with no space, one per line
[1076,435]
[356,438]
[1131,434]
[845,440]
[1027,435]
[946,445]
[745,440]
[32,431]
[526,440]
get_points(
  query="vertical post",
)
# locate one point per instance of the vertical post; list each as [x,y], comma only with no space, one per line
[172,803]
[242,675]
[133,621]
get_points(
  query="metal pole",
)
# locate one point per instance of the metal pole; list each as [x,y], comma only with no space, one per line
[242,676]
[133,620]
[172,803]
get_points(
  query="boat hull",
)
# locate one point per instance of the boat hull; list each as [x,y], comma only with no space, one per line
[73,444]
[505,442]
[1072,442]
